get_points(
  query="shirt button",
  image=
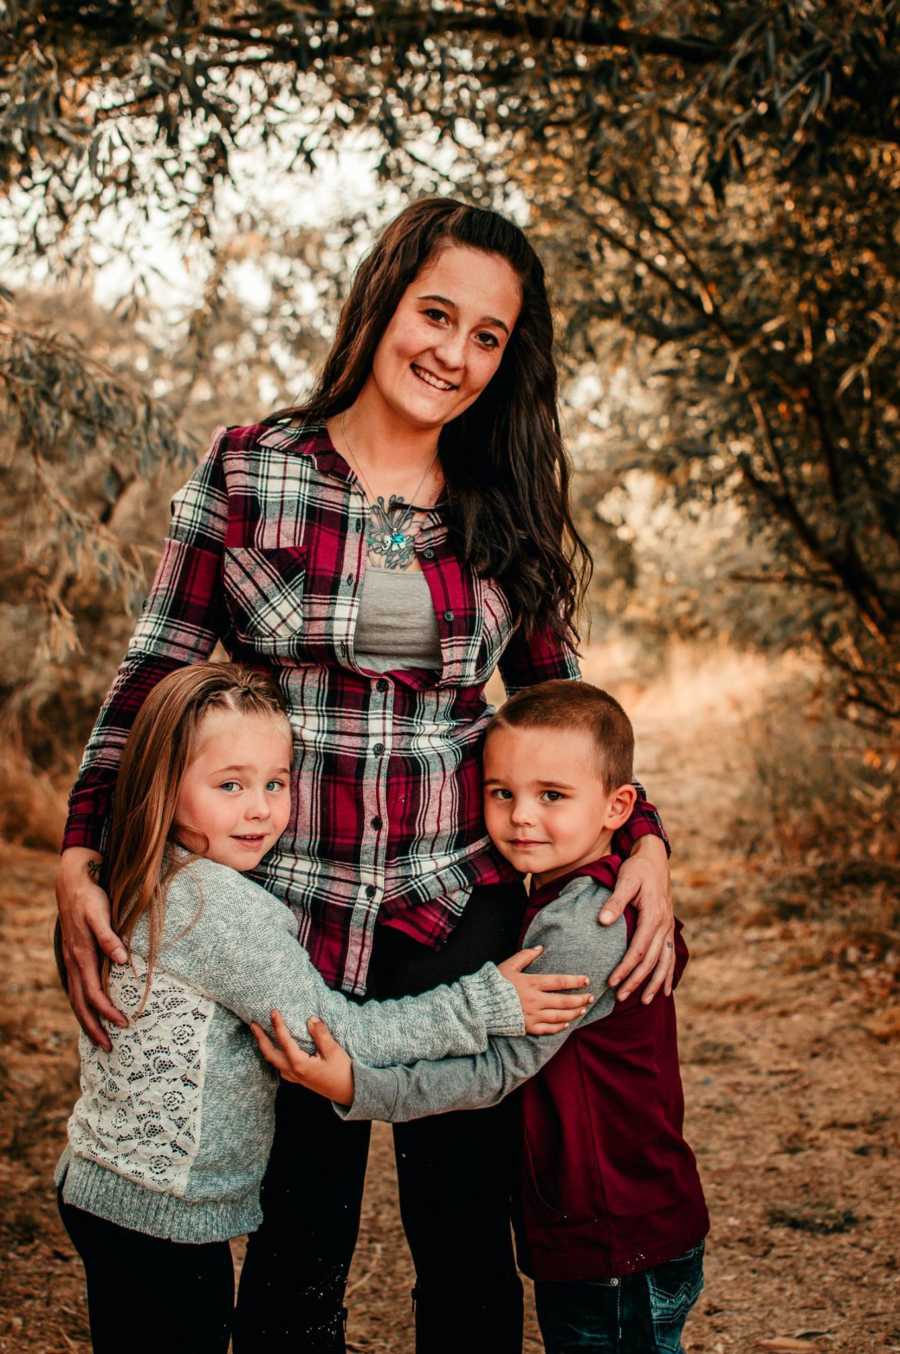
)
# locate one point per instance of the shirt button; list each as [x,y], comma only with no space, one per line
[349,579]
[448,615]
[614,1283]
[359,524]
[371,890]
[382,684]
[378,749]
[377,823]
[429,553]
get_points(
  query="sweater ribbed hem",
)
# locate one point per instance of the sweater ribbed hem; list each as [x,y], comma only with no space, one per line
[496,998]
[103,1192]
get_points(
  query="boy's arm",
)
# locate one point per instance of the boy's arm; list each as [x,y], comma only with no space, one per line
[568,930]
[237,943]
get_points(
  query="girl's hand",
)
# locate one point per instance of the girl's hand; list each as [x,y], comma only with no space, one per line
[328,1072]
[544,1009]
[84,924]
[645,881]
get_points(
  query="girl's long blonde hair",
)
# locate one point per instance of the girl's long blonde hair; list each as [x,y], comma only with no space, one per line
[156,756]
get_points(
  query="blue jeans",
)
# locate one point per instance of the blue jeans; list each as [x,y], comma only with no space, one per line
[636,1314]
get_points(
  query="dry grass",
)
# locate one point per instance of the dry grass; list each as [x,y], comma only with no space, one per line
[32,803]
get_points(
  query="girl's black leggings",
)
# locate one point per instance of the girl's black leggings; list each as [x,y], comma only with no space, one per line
[146,1295]
[455,1183]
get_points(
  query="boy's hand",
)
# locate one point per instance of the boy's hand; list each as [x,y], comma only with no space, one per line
[544,1009]
[645,881]
[328,1072]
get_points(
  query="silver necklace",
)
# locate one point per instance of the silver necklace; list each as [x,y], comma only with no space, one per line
[386,526]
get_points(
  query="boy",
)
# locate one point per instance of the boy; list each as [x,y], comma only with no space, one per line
[611,1218]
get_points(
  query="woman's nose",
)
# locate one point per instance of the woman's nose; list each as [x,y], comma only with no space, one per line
[450,349]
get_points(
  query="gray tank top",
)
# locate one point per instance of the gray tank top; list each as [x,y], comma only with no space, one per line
[396,625]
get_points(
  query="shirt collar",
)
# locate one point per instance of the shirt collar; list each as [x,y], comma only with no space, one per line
[314,441]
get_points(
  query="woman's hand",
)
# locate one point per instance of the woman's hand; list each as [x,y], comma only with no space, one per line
[544,1010]
[645,881]
[84,924]
[328,1071]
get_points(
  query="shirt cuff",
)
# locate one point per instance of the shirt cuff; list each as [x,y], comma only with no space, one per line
[497,1000]
[627,836]
[375,1091]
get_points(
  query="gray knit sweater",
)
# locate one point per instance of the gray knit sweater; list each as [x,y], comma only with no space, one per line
[172,1130]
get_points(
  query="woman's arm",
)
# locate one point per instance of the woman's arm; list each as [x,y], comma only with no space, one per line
[236,943]
[181,621]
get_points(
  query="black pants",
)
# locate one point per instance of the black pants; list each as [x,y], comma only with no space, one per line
[454,1179]
[147,1295]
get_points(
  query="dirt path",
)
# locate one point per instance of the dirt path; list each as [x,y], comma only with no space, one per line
[790,1069]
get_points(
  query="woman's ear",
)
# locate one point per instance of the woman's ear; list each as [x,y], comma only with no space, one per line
[619,806]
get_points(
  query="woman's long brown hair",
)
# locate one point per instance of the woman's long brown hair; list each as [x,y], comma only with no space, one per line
[503,460]
[156,756]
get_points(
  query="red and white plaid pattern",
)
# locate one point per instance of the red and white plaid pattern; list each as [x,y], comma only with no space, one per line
[266,553]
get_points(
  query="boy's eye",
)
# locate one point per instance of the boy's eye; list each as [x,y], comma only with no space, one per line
[275,785]
[500,794]
[552,796]
[230,785]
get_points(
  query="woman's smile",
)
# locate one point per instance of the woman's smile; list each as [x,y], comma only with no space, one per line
[430,379]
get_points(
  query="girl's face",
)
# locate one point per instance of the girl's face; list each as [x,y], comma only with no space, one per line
[446,337]
[235,795]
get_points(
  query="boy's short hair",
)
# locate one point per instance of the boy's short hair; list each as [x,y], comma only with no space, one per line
[576,705]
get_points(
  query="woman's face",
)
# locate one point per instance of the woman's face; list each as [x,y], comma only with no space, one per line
[446,337]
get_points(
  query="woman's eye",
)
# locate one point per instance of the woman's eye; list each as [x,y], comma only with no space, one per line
[438,315]
[488,340]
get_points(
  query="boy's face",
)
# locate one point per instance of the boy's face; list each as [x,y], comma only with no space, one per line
[546,807]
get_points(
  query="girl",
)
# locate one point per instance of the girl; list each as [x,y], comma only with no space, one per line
[380,551]
[169,1140]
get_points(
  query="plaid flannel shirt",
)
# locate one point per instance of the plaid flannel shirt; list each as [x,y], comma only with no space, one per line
[266,553]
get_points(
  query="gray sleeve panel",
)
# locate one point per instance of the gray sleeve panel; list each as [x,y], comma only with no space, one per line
[574,942]
[231,940]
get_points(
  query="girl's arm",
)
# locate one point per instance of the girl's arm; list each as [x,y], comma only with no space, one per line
[233,941]
[181,621]
[565,928]
[644,879]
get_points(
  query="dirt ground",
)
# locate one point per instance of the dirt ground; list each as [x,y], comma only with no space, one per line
[789,1038]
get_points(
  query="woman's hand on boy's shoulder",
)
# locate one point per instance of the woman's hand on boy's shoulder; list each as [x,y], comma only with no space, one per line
[328,1071]
[646,882]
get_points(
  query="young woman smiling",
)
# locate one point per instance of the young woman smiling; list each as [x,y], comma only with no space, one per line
[381,549]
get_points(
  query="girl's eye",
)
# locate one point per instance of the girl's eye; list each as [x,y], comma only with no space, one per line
[230,786]
[501,794]
[275,785]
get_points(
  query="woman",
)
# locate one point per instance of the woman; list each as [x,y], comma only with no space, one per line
[381,549]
